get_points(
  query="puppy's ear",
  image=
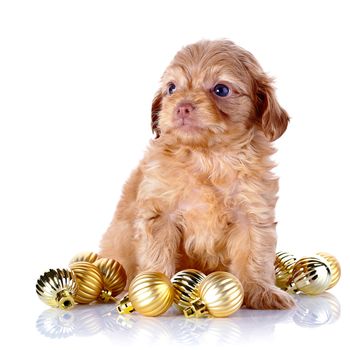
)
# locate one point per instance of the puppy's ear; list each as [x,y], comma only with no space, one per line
[156,107]
[274,119]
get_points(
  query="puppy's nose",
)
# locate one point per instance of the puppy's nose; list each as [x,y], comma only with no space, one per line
[184,110]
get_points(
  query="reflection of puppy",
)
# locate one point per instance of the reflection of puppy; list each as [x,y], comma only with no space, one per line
[204,195]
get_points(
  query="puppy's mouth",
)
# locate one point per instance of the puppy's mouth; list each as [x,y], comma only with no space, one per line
[186,124]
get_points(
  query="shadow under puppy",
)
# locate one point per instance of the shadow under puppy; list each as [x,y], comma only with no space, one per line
[204,195]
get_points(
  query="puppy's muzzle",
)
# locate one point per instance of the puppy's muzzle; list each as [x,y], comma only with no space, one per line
[183,111]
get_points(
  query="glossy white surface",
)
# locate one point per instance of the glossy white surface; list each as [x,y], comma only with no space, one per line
[316,321]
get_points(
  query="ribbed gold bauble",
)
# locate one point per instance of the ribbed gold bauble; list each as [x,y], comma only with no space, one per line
[283,269]
[114,277]
[90,281]
[311,275]
[90,257]
[185,284]
[57,288]
[150,294]
[220,293]
[334,266]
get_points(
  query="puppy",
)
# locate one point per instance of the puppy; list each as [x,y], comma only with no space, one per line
[204,195]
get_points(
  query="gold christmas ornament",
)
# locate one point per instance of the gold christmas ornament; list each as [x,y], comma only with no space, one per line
[57,288]
[114,278]
[334,266]
[90,281]
[150,294]
[185,284]
[220,293]
[311,275]
[90,257]
[283,269]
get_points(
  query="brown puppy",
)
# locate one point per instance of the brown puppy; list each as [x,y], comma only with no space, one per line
[204,195]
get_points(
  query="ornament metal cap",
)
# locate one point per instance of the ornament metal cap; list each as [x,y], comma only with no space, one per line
[124,306]
[106,296]
[65,300]
[196,309]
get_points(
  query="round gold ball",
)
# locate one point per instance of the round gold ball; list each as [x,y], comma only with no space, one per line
[284,263]
[334,266]
[311,275]
[90,257]
[90,281]
[186,284]
[151,293]
[222,293]
[57,288]
[113,273]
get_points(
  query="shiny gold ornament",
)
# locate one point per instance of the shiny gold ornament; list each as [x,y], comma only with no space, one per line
[90,257]
[311,275]
[150,294]
[334,266]
[57,288]
[220,293]
[283,269]
[114,278]
[185,284]
[90,281]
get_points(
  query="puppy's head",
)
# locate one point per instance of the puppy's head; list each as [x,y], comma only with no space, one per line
[215,88]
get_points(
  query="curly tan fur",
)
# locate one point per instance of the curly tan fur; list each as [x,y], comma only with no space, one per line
[204,195]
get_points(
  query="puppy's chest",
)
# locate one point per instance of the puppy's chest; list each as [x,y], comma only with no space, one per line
[192,191]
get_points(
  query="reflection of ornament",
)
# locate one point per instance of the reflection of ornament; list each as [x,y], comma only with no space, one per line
[187,331]
[186,287]
[316,310]
[55,323]
[311,275]
[220,294]
[114,278]
[283,269]
[90,257]
[334,266]
[89,279]
[87,321]
[57,288]
[150,294]
[83,321]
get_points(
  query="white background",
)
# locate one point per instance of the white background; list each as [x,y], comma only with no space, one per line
[76,83]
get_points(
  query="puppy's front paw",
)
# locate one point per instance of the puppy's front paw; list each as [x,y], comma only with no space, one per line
[267,297]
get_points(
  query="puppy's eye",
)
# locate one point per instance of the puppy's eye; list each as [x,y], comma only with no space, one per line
[221,90]
[171,88]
